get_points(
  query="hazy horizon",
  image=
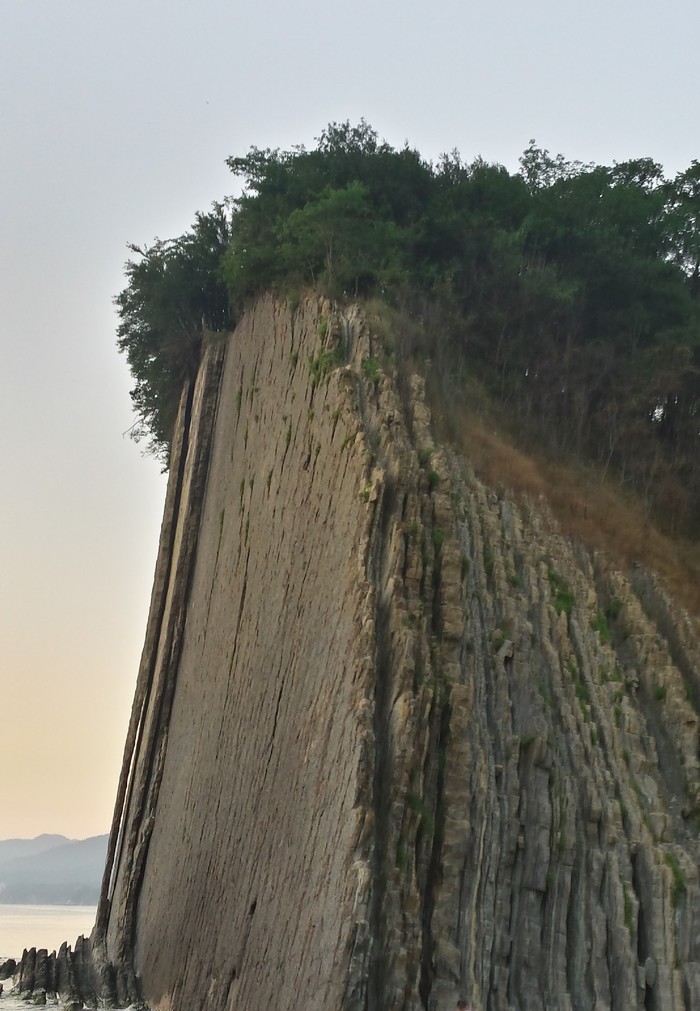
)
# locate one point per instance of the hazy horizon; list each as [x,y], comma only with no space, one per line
[116,125]
[59,835]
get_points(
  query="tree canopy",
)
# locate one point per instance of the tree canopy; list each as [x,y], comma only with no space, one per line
[570,290]
[174,292]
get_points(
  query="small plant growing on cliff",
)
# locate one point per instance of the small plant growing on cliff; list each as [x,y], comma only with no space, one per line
[365,493]
[600,625]
[370,369]
[424,456]
[323,363]
[659,692]
[582,694]
[613,609]
[678,887]
[563,595]
[322,327]
[433,479]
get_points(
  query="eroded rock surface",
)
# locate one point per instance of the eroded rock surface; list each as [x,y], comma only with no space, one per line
[395,739]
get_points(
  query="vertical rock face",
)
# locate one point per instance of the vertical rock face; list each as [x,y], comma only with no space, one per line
[395,740]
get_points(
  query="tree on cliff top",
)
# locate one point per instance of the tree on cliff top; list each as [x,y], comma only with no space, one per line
[335,216]
[173,292]
[569,290]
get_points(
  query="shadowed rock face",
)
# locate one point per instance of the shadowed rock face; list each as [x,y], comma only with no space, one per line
[395,740]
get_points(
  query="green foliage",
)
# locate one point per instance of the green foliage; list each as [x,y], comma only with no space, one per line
[322,363]
[613,609]
[570,291]
[678,887]
[599,624]
[332,216]
[174,294]
[370,368]
[563,595]
[582,693]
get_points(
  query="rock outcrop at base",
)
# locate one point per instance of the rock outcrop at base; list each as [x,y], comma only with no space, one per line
[395,739]
[74,974]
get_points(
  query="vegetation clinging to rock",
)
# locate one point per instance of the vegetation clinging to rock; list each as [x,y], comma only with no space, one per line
[569,290]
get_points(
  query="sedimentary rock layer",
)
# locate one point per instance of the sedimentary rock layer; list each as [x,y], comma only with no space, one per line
[395,739]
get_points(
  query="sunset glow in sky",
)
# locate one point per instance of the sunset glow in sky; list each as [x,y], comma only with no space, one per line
[116,121]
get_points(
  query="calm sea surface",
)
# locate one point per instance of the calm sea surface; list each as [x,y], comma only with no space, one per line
[41,927]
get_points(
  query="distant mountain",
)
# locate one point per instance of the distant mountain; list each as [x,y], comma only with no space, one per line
[52,870]
[11,848]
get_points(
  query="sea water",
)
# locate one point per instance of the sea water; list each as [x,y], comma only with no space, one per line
[42,927]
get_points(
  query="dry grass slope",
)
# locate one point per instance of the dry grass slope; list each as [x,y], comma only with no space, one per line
[589,507]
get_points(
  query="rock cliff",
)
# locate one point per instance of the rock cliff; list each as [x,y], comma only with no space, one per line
[395,739]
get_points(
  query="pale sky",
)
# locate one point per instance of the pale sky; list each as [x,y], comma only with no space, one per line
[115,120]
